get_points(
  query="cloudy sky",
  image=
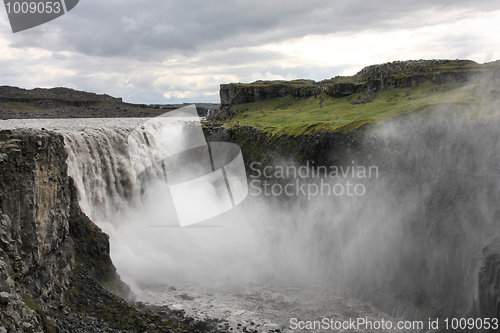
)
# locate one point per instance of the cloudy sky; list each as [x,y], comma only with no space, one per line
[175,51]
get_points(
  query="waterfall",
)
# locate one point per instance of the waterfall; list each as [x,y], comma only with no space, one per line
[414,238]
[99,164]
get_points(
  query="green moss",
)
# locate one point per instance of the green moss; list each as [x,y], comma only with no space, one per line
[92,254]
[15,276]
[101,104]
[50,327]
[20,106]
[31,303]
[87,296]
[47,325]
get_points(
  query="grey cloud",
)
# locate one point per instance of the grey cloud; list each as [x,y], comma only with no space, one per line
[120,47]
[153,30]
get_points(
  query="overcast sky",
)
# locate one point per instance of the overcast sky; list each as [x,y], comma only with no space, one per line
[175,51]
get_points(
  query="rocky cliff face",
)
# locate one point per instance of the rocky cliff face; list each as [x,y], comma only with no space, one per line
[232,94]
[36,251]
[374,78]
[44,237]
[489,282]
[325,148]
[56,274]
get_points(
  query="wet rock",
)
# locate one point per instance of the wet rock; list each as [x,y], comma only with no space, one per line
[489,282]
[4,297]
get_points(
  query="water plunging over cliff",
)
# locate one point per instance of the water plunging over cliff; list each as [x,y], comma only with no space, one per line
[414,238]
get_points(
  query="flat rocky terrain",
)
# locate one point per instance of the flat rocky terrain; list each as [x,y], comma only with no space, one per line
[18,103]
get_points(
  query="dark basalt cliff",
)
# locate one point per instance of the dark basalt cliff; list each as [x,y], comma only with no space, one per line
[489,282]
[37,252]
[233,93]
[56,274]
[327,148]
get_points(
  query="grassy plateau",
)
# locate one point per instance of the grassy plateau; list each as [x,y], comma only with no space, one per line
[306,115]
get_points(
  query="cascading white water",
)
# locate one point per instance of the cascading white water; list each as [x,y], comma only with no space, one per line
[414,237]
[97,161]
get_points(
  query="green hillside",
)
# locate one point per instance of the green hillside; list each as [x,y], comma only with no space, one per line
[305,115]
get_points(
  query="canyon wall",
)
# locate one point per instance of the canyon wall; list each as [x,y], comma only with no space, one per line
[56,273]
[37,251]
[371,79]
[44,236]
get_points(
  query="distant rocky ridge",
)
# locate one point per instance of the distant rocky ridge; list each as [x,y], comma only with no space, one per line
[370,79]
[63,95]
[18,103]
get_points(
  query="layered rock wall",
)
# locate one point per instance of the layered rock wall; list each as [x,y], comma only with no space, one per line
[36,252]
[44,235]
